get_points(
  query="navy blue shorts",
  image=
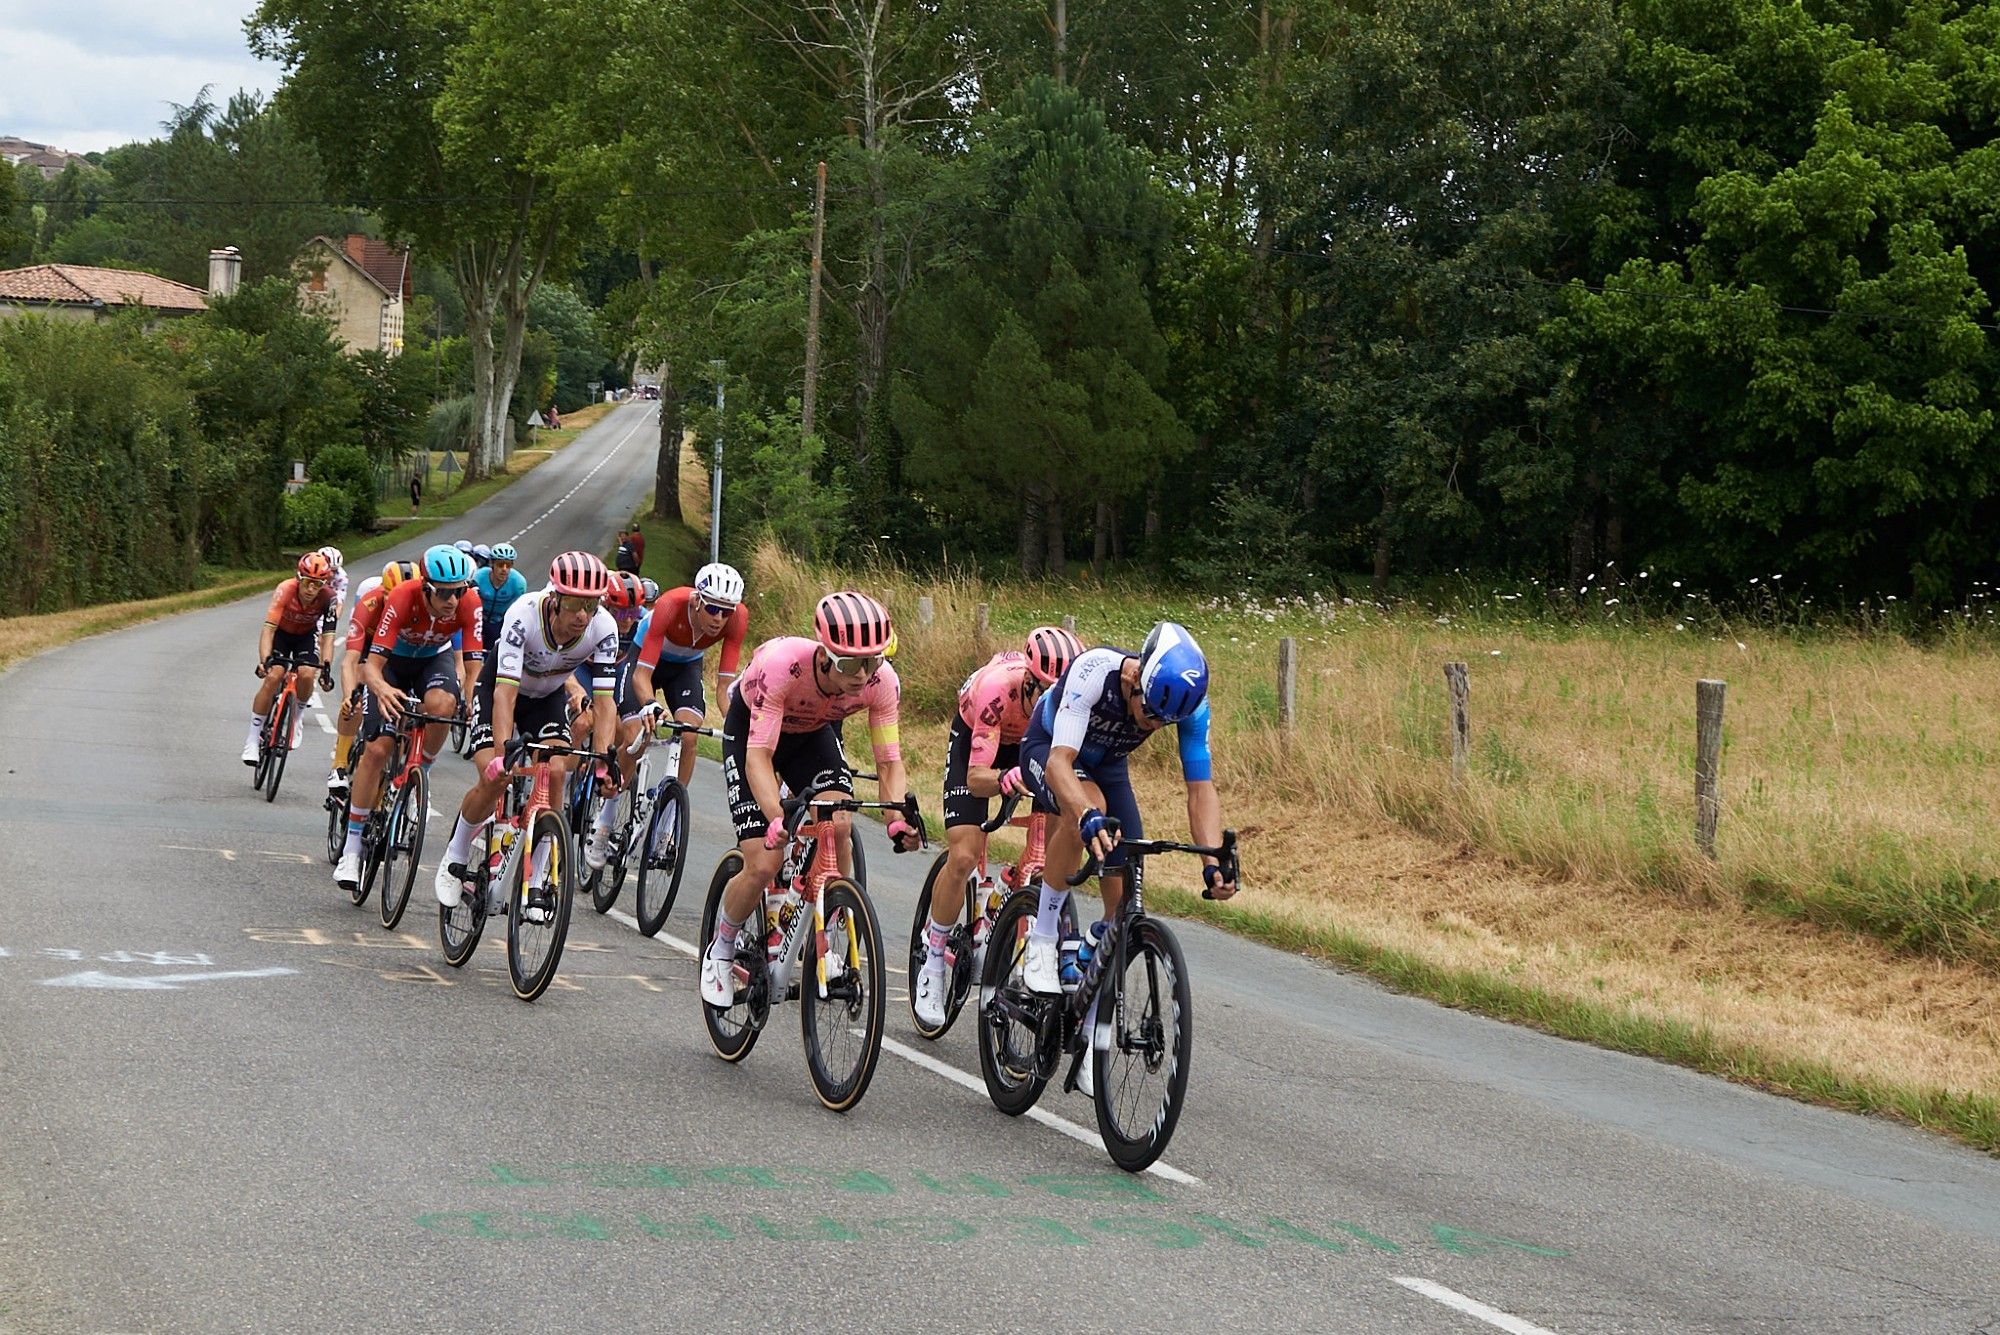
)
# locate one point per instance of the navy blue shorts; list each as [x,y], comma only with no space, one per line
[1111,776]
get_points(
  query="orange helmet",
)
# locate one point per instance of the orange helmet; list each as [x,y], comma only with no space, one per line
[625,594]
[314,566]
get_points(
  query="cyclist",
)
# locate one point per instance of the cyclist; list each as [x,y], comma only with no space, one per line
[335,559]
[410,653]
[361,623]
[783,722]
[625,602]
[482,555]
[683,624]
[982,761]
[499,584]
[299,607]
[1073,758]
[520,696]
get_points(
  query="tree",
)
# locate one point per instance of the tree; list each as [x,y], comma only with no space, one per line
[444,120]
[562,314]
[1034,364]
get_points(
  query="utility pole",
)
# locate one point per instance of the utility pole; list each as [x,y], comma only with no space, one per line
[715,480]
[812,304]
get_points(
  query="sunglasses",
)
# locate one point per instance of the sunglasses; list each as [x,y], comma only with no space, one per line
[305,583]
[570,604]
[847,664]
[444,591]
[718,609]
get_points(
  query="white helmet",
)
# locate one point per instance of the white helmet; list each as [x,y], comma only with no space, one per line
[719,583]
[333,557]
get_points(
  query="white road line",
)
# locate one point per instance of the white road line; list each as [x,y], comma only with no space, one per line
[924,1061]
[1472,1307]
[643,419]
[325,723]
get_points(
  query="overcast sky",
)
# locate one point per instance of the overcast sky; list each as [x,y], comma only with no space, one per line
[87,74]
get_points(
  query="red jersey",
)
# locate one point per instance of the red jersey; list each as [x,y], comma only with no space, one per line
[670,634]
[302,616]
[408,629]
[367,616]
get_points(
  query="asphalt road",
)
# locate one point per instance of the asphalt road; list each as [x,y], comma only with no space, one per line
[307,1123]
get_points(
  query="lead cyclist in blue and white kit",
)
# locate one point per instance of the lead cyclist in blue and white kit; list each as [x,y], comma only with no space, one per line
[1073,761]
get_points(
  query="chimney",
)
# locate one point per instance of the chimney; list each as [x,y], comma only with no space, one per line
[225,268]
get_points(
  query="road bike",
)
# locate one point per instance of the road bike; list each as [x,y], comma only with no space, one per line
[525,851]
[274,741]
[1142,1037]
[986,892]
[815,919]
[392,843]
[660,815]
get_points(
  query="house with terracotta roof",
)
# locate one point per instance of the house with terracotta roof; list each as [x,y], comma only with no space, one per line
[361,285]
[82,292]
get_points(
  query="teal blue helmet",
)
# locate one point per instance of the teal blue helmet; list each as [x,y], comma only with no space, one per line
[447,565]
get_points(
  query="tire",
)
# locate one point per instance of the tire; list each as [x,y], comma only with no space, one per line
[459,928]
[860,859]
[459,735]
[733,1029]
[582,815]
[608,880]
[662,858]
[281,744]
[404,847]
[372,841]
[959,981]
[841,1061]
[535,949]
[1011,1060]
[1142,1074]
[336,827]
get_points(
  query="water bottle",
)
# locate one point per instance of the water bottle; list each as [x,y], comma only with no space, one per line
[1086,952]
[1068,970]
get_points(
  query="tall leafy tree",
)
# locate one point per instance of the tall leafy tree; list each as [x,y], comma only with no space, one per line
[1034,363]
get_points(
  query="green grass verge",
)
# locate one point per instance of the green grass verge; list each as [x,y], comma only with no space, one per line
[673,550]
[1972,1118]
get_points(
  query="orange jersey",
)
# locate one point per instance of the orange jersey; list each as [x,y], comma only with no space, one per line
[302,616]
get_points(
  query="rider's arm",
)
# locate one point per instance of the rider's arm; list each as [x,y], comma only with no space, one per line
[504,694]
[1204,805]
[987,708]
[264,642]
[730,661]
[603,692]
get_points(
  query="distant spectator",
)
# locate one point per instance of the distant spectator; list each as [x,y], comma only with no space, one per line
[631,550]
[416,492]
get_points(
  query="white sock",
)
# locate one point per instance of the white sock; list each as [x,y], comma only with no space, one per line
[1048,914]
[936,934]
[460,847]
[724,945]
[606,814]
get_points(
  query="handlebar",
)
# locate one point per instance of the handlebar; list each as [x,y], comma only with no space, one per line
[797,809]
[666,726]
[1006,814]
[1224,854]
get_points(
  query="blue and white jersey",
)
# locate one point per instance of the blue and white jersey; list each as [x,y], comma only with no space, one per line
[1087,709]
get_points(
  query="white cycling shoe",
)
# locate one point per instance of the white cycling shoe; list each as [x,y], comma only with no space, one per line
[250,746]
[336,782]
[928,1000]
[347,873]
[596,849]
[1038,966]
[718,981]
[450,890]
[1086,1075]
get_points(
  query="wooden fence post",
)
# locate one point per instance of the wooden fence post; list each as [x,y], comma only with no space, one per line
[926,610]
[981,613]
[1461,718]
[1708,697]
[1288,684]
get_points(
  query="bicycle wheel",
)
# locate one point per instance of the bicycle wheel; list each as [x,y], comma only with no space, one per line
[733,1029]
[1142,1071]
[608,880]
[459,927]
[538,908]
[843,1029]
[281,743]
[958,982]
[372,839]
[1013,1020]
[404,847]
[336,826]
[459,736]
[662,857]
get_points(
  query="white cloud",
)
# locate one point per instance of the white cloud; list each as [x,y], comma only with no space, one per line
[95,73]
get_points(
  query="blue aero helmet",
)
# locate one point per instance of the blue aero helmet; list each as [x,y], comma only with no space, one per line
[1173,674]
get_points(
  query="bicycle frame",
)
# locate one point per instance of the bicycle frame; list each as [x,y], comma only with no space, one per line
[1133,906]
[825,866]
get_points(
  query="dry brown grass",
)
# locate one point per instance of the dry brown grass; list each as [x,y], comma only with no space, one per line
[1857,781]
[23,637]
